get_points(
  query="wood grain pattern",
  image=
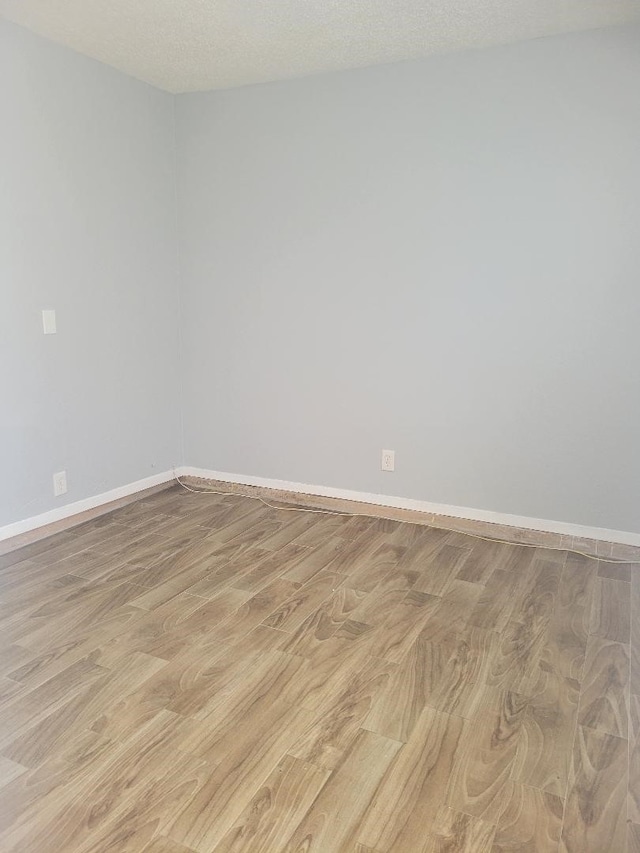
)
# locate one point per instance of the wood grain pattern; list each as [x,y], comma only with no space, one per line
[518,655]
[332,821]
[414,786]
[292,613]
[480,783]
[136,822]
[495,605]
[326,671]
[403,625]
[605,687]
[65,819]
[276,809]
[611,611]
[484,559]
[531,821]
[457,668]
[400,702]
[566,639]
[324,622]
[256,745]
[200,672]
[579,581]
[454,610]
[312,561]
[165,845]
[9,770]
[635,632]
[633,838]
[334,730]
[455,832]
[373,570]
[633,800]
[439,569]
[595,812]
[543,758]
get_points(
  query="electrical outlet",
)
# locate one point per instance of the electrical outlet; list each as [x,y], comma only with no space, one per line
[49,322]
[59,483]
[388,460]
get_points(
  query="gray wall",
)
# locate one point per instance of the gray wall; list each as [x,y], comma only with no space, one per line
[438,257]
[87,226]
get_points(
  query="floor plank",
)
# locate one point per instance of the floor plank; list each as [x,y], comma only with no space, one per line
[595,816]
[400,702]
[605,687]
[480,783]
[250,752]
[635,632]
[532,821]
[543,758]
[633,838]
[276,809]
[336,727]
[332,821]
[402,626]
[611,611]
[405,804]
[633,800]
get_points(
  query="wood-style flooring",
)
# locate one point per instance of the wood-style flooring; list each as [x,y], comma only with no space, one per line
[195,673]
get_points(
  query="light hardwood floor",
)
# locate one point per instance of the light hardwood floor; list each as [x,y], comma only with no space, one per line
[203,673]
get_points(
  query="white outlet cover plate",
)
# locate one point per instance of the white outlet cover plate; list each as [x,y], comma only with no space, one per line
[49,322]
[59,483]
[388,460]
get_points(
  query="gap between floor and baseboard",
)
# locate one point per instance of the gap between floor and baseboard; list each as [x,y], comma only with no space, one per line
[103,503]
[426,507]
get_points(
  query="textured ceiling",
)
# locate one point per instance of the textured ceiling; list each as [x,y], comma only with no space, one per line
[193,45]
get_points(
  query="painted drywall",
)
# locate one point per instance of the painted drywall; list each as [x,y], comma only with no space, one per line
[438,257]
[87,227]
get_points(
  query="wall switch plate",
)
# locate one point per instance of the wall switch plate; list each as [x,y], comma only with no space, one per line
[388,460]
[59,483]
[49,322]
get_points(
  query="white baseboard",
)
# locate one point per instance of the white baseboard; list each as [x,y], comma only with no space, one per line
[59,514]
[541,524]
[19,527]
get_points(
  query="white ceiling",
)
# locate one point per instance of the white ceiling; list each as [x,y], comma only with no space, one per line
[194,45]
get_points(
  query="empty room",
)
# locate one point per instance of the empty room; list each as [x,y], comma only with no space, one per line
[319,418]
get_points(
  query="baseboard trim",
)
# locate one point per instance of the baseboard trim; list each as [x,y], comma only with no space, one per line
[45,519]
[467,513]
[17,528]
